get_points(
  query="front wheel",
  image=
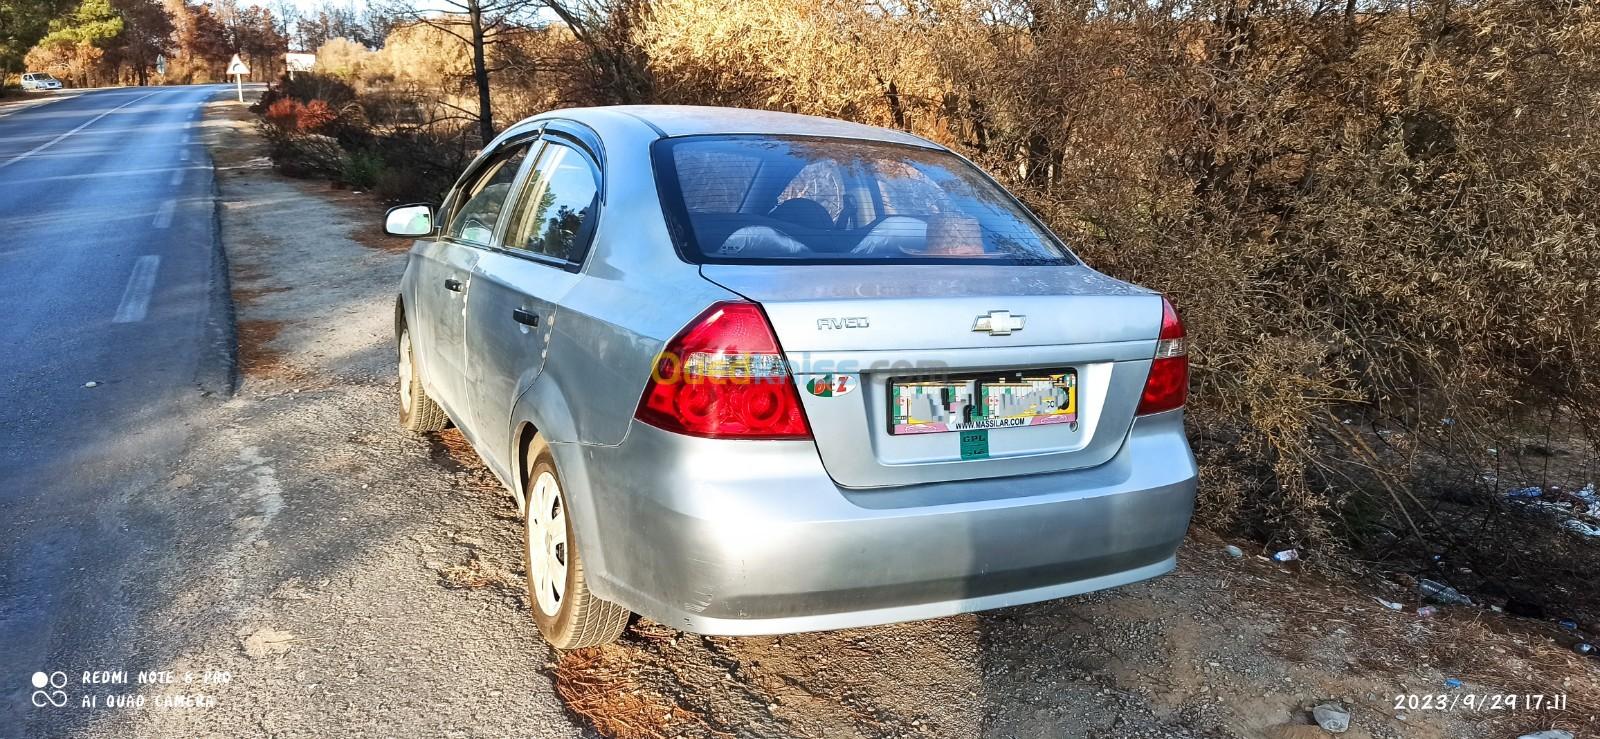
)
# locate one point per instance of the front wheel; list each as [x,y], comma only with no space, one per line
[418,412]
[568,615]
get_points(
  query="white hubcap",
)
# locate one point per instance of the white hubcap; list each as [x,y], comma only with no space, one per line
[405,370]
[547,543]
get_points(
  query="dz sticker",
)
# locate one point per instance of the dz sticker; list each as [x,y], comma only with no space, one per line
[827,386]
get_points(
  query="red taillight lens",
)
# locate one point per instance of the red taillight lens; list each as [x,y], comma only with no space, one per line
[724,377]
[1168,385]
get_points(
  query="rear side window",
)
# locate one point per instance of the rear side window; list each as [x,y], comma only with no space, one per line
[483,198]
[740,199]
[556,211]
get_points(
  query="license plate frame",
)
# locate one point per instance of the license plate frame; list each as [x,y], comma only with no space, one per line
[996,399]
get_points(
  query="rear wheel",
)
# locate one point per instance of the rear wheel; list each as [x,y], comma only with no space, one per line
[568,615]
[418,412]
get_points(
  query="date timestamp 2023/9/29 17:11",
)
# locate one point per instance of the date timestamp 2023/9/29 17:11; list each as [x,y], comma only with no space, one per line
[1470,701]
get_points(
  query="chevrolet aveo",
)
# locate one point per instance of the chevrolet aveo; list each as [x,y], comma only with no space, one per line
[752,373]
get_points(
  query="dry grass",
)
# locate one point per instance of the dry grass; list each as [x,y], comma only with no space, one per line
[257,358]
[598,684]
[250,295]
[477,573]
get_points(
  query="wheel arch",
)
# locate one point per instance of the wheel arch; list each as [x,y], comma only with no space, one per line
[524,437]
[543,420]
[399,314]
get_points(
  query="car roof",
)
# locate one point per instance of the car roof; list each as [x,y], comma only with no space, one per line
[697,120]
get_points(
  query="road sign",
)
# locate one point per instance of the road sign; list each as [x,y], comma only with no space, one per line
[161,65]
[296,61]
[239,69]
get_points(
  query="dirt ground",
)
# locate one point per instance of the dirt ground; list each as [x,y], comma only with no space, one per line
[367,582]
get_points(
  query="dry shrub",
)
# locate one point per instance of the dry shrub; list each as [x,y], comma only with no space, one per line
[316,116]
[284,114]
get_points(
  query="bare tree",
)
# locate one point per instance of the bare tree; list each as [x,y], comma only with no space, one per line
[606,29]
[479,24]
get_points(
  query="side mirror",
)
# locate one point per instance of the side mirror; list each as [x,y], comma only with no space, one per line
[409,220]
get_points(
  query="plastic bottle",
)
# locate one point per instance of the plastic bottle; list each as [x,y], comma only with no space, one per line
[1442,593]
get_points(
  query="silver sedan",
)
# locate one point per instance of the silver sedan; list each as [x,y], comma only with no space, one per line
[751,373]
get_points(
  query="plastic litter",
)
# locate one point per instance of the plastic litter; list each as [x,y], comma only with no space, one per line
[1452,683]
[1441,593]
[1389,604]
[1582,527]
[1233,551]
[91,383]
[1548,734]
[1332,717]
[1578,511]
[1427,612]
[1583,647]
[1567,623]
[1287,555]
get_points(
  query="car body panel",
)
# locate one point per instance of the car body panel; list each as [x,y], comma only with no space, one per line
[878,322]
[507,356]
[439,318]
[751,537]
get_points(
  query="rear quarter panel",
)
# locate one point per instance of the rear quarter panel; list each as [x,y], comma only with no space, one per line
[634,296]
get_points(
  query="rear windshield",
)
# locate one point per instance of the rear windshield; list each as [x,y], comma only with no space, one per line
[828,201]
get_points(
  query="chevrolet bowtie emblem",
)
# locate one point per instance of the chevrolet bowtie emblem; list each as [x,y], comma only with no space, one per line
[999,323]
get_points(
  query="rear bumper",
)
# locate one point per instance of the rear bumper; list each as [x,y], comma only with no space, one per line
[723,537]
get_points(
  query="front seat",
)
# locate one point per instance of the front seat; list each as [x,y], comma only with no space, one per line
[803,212]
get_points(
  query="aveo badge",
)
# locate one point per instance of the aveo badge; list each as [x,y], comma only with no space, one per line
[827,386]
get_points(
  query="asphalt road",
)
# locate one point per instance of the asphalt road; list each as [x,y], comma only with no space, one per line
[110,265]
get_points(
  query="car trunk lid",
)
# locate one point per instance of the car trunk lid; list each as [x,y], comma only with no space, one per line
[849,331]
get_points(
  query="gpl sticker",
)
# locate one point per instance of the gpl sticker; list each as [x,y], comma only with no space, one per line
[828,386]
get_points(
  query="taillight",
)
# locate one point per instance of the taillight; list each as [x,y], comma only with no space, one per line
[724,377]
[1168,385]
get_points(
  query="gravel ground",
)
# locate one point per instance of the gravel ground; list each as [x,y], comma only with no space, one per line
[356,580]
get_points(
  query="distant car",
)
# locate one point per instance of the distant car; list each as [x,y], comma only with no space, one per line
[751,373]
[40,81]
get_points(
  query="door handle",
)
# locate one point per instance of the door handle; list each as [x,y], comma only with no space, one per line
[525,317]
[452,284]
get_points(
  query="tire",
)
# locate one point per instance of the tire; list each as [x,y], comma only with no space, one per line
[418,412]
[570,616]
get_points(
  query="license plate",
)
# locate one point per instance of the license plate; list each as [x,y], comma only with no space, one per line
[990,400]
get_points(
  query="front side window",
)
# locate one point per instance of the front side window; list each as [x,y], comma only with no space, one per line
[556,211]
[827,200]
[482,199]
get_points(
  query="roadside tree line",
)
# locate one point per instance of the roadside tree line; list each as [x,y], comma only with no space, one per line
[108,42]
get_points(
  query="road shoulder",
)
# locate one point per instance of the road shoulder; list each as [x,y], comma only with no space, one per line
[347,577]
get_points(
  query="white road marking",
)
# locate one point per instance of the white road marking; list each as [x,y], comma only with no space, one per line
[183,154]
[136,299]
[164,215]
[85,124]
[177,175]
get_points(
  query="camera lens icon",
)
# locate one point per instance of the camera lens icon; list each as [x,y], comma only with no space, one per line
[57,697]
